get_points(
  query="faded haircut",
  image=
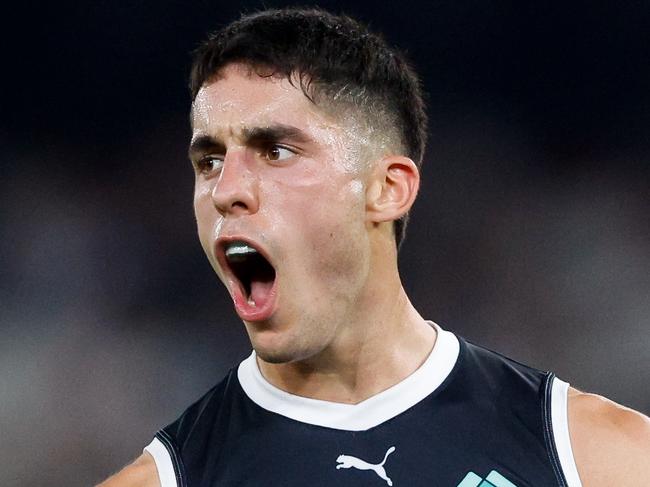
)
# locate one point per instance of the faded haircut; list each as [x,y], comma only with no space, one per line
[335,60]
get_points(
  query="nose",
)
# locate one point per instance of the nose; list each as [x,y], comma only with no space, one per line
[235,192]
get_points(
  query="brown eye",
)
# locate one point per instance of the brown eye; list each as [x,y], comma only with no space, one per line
[210,164]
[278,153]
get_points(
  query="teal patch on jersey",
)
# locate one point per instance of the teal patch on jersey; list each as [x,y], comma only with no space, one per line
[494,479]
[470,480]
[498,480]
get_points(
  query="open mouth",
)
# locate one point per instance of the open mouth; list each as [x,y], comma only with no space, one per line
[252,270]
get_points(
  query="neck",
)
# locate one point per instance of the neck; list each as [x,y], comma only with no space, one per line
[378,345]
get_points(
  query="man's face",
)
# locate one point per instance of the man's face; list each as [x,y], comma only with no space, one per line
[277,180]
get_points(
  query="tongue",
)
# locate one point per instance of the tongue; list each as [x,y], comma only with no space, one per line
[260,291]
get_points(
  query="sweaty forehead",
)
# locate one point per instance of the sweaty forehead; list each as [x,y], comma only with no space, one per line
[239,100]
[238,97]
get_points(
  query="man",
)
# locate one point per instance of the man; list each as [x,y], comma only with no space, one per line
[308,132]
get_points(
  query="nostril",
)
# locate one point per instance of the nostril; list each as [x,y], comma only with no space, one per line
[240,204]
[233,207]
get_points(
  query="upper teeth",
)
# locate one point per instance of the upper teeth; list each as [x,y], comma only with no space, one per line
[239,251]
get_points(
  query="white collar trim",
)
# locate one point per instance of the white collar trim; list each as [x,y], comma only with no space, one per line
[355,417]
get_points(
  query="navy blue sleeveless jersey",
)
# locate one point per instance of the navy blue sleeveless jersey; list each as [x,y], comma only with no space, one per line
[468,417]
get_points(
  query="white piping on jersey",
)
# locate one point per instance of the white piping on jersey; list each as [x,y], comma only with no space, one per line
[560,424]
[366,414]
[163,463]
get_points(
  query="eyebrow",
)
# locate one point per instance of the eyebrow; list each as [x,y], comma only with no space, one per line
[250,136]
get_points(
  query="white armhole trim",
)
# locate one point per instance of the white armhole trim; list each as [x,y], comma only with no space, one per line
[560,424]
[164,463]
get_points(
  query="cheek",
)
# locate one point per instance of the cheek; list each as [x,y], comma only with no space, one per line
[205,215]
[341,206]
[334,232]
[319,210]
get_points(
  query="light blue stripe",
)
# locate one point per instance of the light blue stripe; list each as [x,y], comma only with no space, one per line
[499,480]
[470,480]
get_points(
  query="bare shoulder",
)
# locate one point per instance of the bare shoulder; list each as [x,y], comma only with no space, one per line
[141,473]
[610,442]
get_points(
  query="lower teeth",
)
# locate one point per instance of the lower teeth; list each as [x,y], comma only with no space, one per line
[251,302]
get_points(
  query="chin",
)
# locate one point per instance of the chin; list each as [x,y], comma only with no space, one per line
[274,356]
[269,345]
[277,348]
[277,353]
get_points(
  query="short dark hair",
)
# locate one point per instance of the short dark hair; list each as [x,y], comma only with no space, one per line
[332,56]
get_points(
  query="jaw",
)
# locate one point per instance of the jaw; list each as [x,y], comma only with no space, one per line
[329,322]
[295,335]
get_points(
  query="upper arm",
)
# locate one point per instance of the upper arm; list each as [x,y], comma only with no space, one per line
[141,473]
[611,443]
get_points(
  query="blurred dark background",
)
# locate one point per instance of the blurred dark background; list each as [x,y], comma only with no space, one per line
[531,234]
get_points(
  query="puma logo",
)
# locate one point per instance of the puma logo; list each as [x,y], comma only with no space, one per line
[348,461]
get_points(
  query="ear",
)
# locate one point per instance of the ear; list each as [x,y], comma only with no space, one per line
[392,189]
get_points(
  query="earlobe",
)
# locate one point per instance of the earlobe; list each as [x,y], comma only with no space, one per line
[393,189]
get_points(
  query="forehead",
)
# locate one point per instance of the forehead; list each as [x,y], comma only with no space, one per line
[239,98]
